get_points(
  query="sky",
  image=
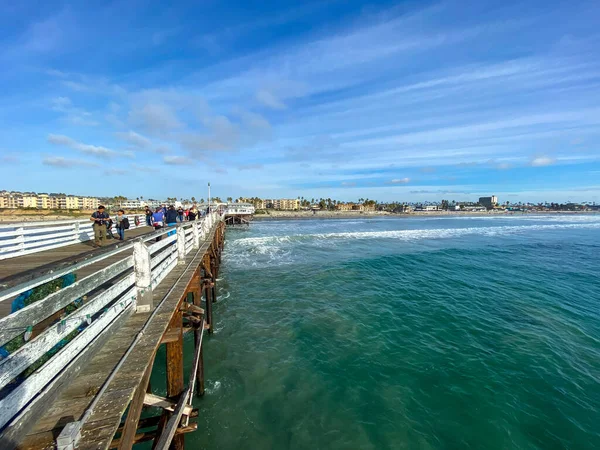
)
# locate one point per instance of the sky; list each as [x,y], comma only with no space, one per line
[394,101]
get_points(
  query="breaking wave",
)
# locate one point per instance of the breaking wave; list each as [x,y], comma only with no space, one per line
[405,235]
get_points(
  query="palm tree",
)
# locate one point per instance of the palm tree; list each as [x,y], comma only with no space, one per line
[193,199]
[229,199]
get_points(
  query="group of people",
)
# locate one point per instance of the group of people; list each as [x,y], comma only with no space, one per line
[162,216]
[169,216]
[103,223]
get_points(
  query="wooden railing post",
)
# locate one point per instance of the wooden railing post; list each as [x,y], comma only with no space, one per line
[143,276]
[76,231]
[181,245]
[21,238]
[196,229]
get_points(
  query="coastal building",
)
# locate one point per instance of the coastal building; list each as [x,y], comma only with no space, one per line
[427,208]
[42,201]
[488,202]
[344,206]
[283,204]
[16,200]
[133,204]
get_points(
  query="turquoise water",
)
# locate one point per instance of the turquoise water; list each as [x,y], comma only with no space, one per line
[417,333]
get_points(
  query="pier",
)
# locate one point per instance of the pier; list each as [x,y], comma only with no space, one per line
[76,362]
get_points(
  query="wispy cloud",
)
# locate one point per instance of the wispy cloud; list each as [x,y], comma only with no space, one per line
[94,150]
[10,159]
[175,160]
[135,139]
[66,163]
[400,180]
[71,114]
[115,171]
[146,169]
[250,167]
[541,161]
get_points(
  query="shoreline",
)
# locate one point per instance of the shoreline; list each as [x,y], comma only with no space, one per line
[292,215]
[7,219]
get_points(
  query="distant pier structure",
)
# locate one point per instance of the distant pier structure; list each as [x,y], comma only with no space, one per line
[238,213]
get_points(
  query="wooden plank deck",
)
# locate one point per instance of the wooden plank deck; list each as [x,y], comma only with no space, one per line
[72,402]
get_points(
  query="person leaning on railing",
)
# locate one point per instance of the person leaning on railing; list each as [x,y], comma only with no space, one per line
[100,218]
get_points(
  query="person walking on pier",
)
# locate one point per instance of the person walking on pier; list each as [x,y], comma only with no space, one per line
[193,213]
[100,219]
[148,216]
[122,223]
[158,220]
[171,217]
[180,213]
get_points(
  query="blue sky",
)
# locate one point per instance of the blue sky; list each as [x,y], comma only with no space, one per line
[400,101]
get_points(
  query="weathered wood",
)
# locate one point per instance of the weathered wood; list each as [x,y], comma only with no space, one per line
[25,392]
[164,403]
[150,435]
[17,323]
[208,296]
[143,276]
[20,425]
[175,382]
[18,361]
[103,423]
[100,425]
[135,409]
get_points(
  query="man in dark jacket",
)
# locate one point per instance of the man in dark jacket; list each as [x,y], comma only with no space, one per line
[171,217]
[100,219]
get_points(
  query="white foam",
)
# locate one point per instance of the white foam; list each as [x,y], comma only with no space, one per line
[259,244]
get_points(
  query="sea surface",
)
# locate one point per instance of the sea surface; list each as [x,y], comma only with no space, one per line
[407,333]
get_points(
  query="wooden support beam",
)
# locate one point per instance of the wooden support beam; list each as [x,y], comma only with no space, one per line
[151,435]
[208,295]
[164,403]
[191,308]
[197,337]
[135,409]
[150,422]
[175,382]
[206,269]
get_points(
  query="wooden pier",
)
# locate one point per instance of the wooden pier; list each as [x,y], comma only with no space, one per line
[77,370]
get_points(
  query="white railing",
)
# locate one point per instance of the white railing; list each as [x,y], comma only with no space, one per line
[110,295]
[18,239]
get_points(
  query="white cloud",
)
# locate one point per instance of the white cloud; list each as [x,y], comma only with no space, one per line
[541,161]
[155,118]
[94,150]
[268,99]
[134,139]
[400,181]
[175,160]
[65,163]
[142,168]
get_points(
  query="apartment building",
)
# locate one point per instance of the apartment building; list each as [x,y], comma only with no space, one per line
[16,200]
[344,206]
[284,204]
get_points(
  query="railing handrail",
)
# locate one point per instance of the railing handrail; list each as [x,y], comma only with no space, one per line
[42,223]
[50,275]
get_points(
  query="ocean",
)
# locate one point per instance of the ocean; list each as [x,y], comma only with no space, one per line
[416,333]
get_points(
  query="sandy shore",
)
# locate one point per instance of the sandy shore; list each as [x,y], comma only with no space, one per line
[276,215]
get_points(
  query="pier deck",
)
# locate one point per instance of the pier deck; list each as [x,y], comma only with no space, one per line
[100,389]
